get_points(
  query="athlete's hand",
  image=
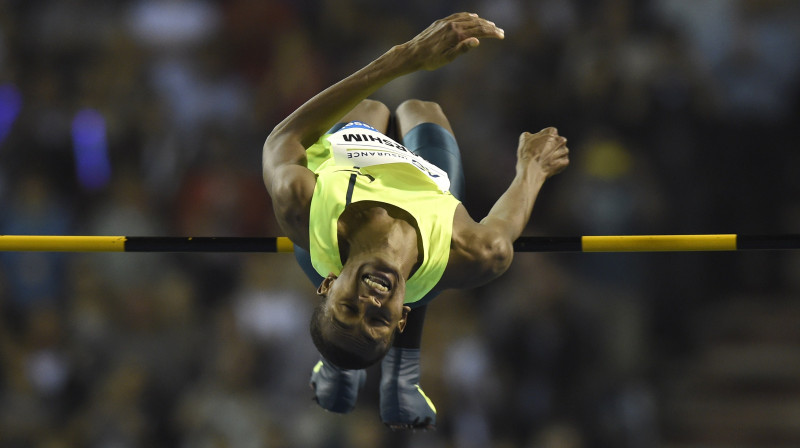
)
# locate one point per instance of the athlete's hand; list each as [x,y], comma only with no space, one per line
[447,38]
[545,149]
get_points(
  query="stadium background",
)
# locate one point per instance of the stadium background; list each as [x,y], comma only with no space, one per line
[145,117]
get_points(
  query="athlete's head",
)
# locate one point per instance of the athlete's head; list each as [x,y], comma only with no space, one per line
[362,309]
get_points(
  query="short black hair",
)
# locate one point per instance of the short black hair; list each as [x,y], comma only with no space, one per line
[336,354]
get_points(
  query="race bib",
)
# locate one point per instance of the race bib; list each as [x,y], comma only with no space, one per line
[358,145]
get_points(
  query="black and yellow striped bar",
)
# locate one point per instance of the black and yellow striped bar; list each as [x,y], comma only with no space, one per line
[63,243]
[612,243]
[658,243]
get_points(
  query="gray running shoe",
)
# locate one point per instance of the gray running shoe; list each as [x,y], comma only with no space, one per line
[336,389]
[403,403]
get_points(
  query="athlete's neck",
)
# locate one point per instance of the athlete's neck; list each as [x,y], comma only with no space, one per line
[370,230]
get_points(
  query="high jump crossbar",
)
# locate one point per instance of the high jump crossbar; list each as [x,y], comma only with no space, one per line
[612,243]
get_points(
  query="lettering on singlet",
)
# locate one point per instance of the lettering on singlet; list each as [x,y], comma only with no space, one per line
[359,144]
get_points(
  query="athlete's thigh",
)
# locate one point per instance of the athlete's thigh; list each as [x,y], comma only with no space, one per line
[371,112]
[426,132]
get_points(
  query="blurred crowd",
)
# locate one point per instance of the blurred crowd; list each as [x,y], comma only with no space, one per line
[146,117]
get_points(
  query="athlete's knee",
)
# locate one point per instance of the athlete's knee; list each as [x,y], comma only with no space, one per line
[416,106]
[372,112]
[372,107]
[413,112]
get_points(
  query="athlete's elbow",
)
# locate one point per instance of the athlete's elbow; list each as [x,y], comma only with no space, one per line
[276,140]
[498,253]
[289,133]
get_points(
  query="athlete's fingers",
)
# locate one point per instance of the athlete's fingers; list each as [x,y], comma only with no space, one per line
[483,28]
[467,44]
[549,130]
[475,26]
[553,142]
[460,16]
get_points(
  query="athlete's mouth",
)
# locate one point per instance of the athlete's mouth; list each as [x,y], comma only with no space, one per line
[377,283]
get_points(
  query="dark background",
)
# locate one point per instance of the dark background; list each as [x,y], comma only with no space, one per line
[144,117]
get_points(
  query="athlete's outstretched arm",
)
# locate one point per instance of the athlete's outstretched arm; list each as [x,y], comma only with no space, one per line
[480,252]
[289,183]
[539,156]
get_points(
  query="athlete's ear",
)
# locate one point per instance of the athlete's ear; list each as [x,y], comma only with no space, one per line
[326,284]
[401,324]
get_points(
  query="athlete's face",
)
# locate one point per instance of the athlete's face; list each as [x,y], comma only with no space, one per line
[366,301]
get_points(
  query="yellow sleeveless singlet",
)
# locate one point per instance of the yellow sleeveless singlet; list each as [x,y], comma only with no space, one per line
[393,176]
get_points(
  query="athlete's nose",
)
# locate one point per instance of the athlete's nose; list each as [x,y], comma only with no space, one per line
[370,300]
